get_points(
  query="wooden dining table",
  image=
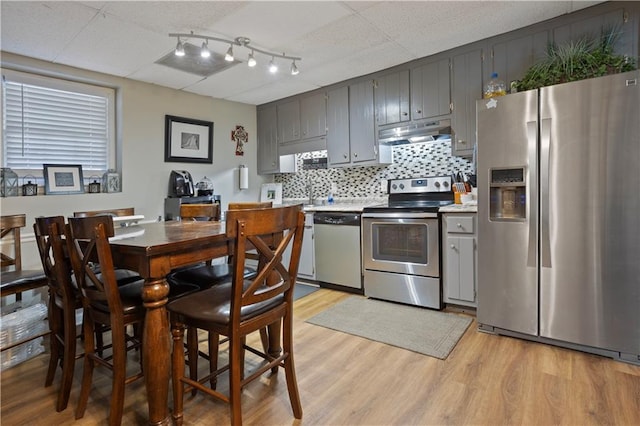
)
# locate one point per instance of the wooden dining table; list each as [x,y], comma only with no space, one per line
[153,250]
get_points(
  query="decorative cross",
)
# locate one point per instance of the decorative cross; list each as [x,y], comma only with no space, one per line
[241,137]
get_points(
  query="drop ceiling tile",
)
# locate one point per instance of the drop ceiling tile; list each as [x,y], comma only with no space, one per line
[115,47]
[163,76]
[274,24]
[41,30]
[165,17]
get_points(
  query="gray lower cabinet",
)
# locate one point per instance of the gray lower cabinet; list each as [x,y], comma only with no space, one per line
[459,251]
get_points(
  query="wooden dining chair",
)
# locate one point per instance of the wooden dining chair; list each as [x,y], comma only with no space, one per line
[13,279]
[125,211]
[243,306]
[106,303]
[64,301]
[250,205]
[208,212]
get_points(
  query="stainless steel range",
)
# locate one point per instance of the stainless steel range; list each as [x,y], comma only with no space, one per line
[401,242]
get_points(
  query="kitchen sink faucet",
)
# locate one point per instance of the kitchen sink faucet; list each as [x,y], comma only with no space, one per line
[310,190]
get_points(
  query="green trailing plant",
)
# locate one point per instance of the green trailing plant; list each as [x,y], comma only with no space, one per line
[586,57]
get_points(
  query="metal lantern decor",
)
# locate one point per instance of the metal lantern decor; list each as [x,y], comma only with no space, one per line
[8,183]
[94,187]
[111,181]
[28,188]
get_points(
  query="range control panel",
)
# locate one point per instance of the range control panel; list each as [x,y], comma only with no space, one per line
[419,185]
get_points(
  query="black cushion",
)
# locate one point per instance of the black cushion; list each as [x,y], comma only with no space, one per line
[213,305]
[205,276]
[131,295]
[16,281]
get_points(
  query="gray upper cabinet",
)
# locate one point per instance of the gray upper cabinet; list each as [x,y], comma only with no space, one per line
[313,115]
[593,24]
[268,159]
[430,90]
[512,58]
[338,146]
[391,93]
[362,122]
[466,89]
[302,124]
[289,121]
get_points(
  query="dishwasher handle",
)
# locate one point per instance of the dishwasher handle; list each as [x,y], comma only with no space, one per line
[341,219]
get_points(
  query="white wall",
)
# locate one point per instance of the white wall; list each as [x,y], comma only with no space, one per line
[145,175]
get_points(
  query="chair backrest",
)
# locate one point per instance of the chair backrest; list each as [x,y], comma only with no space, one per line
[200,211]
[270,232]
[51,235]
[251,205]
[10,226]
[89,242]
[127,211]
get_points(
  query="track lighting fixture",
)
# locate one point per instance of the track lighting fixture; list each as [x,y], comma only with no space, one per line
[238,41]
[273,68]
[205,52]
[179,48]
[251,61]
[229,55]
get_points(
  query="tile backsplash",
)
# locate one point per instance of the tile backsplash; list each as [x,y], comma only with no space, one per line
[412,160]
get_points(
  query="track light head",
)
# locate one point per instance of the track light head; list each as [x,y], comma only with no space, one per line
[179,48]
[294,68]
[251,61]
[273,68]
[204,51]
[229,55]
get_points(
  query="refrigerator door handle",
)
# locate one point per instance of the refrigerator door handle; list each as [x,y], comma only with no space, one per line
[545,165]
[532,140]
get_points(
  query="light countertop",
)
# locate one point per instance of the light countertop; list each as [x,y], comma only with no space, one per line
[460,208]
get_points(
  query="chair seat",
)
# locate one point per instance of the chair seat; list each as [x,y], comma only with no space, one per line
[12,282]
[212,306]
[131,296]
[206,276]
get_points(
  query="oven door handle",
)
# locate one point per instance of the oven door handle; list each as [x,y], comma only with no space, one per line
[400,215]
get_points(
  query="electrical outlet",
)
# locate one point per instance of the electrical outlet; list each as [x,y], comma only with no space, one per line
[334,187]
[383,186]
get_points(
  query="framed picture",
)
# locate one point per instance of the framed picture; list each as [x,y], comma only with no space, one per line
[271,192]
[63,179]
[187,140]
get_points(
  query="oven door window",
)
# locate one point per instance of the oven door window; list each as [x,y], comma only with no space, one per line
[400,242]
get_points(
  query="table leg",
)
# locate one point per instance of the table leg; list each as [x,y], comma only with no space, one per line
[156,350]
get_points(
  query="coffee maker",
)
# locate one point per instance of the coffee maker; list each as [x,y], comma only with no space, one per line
[181,184]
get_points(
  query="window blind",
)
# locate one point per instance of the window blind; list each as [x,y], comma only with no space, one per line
[48,124]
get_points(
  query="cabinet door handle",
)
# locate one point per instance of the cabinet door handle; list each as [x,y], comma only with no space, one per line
[459,225]
[419,111]
[453,247]
[345,156]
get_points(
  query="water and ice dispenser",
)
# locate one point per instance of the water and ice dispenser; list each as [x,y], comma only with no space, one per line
[507,194]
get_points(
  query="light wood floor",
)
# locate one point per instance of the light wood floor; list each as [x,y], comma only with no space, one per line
[347,380]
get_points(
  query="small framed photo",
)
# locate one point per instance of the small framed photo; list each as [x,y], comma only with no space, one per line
[271,192]
[63,179]
[187,140]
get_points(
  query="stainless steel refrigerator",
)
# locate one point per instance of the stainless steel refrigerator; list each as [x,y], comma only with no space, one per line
[559,215]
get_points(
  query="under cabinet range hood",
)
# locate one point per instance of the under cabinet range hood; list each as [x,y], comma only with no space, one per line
[416,132]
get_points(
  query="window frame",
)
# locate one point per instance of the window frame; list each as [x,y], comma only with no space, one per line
[68,85]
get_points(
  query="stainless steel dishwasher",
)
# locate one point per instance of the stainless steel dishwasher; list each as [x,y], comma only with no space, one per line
[337,248]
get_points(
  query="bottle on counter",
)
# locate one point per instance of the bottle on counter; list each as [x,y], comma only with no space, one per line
[330,198]
[495,87]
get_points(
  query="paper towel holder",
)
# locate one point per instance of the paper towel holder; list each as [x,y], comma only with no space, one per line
[243,173]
